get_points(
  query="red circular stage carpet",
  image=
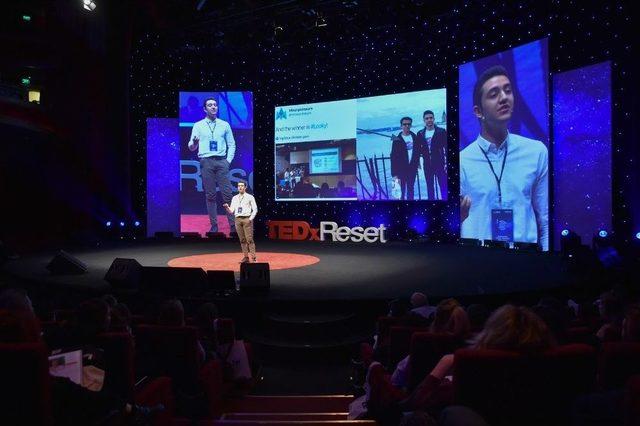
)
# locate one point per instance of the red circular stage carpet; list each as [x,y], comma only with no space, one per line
[231,261]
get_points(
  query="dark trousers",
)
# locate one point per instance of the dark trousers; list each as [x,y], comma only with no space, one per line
[215,173]
[407,184]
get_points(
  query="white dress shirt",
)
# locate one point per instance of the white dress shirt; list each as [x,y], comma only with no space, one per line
[244,205]
[216,130]
[524,183]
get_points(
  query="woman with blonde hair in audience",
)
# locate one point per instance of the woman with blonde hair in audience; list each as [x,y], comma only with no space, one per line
[451,318]
[508,328]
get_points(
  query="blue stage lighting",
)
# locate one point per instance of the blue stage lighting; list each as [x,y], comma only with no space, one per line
[122,224]
[136,223]
[419,224]
[565,232]
[603,233]
[108,224]
[637,235]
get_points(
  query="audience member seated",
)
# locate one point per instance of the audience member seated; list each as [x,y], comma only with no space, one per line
[398,308]
[631,324]
[606,407]
[120,318]
[420,306]
[72,403]
[611,312]
[110,299]
[305,189]
[206,316]
[554,314]
[478,315]
[325,191]
[508,328]
[171,313]
[233,355]
[342,191]
[93,317]
[17,302]
[451,318]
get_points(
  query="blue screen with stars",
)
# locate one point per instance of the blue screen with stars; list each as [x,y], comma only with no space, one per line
[163,176]
[582,151]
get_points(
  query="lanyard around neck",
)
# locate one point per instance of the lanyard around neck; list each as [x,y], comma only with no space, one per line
[215,123]
[498,179]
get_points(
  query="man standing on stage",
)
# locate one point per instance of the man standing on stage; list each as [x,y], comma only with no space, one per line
[504,177]
[405,158]
[244,207]
[433,141]
[216,153]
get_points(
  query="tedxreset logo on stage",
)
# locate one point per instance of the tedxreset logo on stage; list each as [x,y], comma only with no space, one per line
[299,230]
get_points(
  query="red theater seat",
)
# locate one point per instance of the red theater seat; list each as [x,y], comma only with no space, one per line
[400,342]
[580,334]
[225,331]
[510,388]
[632,401]
[119,363]
[426,350]
[618,361]
[173,352]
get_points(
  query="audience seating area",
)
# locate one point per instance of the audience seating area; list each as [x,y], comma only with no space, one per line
[170,371]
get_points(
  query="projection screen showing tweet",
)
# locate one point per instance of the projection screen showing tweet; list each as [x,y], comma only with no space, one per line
[380,148]
[504,134]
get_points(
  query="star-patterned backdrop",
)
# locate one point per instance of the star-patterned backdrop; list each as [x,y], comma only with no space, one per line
[368,51]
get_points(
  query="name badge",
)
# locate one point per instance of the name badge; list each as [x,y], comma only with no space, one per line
[239,209]
[502,225]
[213,146]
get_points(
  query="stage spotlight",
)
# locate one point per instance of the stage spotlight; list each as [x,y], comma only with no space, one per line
[570,243]
[601,240]
[136,223]
[108,224]
[89,5]
[121,224]
[637,235]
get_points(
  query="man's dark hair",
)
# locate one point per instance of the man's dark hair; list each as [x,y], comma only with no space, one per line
[211,98]
[488,74]
[428,112]
[242,182]
[406,118]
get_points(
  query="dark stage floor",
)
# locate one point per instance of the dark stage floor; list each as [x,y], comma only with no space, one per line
[344,272]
